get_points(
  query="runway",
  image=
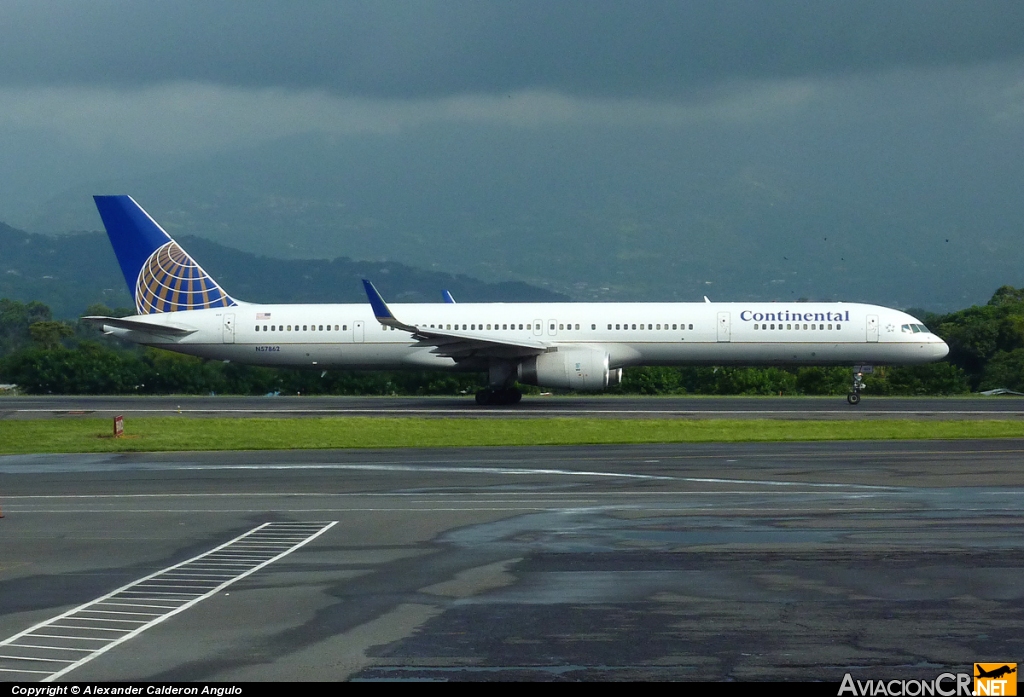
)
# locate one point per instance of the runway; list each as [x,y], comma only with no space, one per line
[927,408]
[691,562]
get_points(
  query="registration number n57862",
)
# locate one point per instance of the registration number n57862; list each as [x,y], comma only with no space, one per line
[261,349]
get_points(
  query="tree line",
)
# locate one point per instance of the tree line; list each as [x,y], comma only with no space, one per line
[42,355]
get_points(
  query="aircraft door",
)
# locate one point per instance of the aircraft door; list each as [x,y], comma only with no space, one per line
[724,327]
[538,327]
[358,332]
[229,329]
[872,328]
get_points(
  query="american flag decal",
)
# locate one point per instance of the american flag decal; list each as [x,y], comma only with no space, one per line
[262,315]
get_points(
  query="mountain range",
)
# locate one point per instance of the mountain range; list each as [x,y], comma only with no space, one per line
[72,271]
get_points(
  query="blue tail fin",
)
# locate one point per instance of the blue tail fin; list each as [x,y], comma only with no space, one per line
[160,275]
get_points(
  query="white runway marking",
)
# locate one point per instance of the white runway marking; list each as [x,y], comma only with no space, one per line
[52,648]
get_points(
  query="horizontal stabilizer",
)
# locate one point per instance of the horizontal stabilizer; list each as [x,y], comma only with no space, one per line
[139,325]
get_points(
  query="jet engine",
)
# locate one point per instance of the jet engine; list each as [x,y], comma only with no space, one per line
[575,369]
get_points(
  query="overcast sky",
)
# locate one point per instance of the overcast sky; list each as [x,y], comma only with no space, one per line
[102,90]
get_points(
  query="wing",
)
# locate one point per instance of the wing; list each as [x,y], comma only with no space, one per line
[456,345]
[138,325]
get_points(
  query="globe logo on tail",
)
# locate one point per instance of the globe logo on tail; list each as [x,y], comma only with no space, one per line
[171,281]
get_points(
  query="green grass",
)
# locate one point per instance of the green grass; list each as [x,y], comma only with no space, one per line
[175,433]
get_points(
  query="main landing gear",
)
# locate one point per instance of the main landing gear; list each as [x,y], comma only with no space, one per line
[494,397]
[858,384]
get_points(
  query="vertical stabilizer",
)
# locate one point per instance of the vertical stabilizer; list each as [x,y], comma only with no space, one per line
[161,276]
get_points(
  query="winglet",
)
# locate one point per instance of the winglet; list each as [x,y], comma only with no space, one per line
[380,308]
[447,297]
[382,312]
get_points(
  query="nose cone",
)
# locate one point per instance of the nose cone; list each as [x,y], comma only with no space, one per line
[939,349]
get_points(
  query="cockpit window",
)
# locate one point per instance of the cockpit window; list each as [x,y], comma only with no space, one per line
[915,329]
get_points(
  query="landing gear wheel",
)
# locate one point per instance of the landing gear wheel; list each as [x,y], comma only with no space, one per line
[858,384]
[498,397]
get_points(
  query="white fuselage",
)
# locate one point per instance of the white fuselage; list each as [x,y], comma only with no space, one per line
[348,336]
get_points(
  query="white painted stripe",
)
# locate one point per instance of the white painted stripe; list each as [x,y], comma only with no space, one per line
[135,587]
[41,660]
[50,648]
[91,629]
[78,616]
[17,670]
[73,638]
[177,603]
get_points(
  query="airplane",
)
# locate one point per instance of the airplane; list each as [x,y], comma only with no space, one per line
[996,673]
[577,346]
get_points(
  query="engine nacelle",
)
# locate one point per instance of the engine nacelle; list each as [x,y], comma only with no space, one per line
[615,377]
[575,369]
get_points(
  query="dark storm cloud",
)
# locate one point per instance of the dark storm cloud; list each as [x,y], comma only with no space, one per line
[422,49]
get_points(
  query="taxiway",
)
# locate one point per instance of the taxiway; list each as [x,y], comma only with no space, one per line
[703,562]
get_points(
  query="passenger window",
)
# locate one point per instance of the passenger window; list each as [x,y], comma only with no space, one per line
[289,327]
[552,327]
[593,327]
[634,326]
[559,326]
[616,326]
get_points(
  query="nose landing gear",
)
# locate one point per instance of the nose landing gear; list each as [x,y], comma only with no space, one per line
[858,384]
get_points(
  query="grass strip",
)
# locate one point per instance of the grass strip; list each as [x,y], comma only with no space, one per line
[175,433]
